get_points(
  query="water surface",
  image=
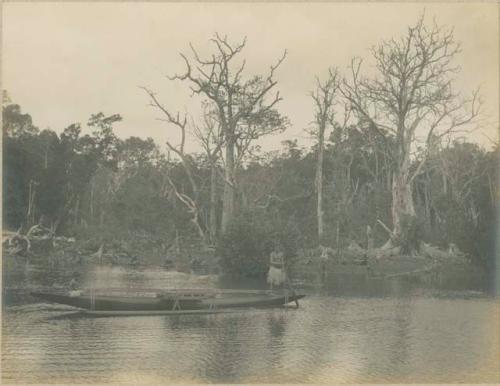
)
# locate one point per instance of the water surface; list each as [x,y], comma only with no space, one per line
[329,339]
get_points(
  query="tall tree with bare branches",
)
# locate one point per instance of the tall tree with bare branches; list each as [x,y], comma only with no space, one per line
[211,139]
[181,122]
[410,103]
[219,78]
[324,100]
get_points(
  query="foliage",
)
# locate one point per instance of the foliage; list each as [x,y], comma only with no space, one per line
[87,193]
[245,247]
[90,183]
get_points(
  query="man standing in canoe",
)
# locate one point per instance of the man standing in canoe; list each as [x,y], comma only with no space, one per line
[277,275]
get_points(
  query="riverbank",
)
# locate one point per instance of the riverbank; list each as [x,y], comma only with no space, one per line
[66,262]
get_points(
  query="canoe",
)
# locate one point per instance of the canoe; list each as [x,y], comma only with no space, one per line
[166,302]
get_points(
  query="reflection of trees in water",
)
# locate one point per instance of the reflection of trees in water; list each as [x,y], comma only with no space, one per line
[422,339]
[311,345]
[189,322]
[204,347]
[399,340]
[451,340]
[326,340]
[384,334]
[226,351]
[234,348]
[76,348]
[402,334]
[262,353]
[246,348]
[277,326]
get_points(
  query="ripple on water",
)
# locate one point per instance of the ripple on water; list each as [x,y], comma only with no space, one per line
[328,339]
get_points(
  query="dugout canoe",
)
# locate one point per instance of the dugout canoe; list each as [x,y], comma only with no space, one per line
[167,302]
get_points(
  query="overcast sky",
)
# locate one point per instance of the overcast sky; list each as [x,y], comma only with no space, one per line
[64,61]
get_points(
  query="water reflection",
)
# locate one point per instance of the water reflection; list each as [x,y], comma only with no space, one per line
[329,339]
[277,327]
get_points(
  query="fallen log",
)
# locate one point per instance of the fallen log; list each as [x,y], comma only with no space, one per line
[16,244]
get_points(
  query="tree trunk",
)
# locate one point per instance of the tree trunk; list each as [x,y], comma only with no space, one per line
[76,212]
[196,223]
[427,197]
[31,213]
[402,201]
[491,189]
[229,191]
[101,217]
[319,183]
[337,240]
[213,203]
[92,203]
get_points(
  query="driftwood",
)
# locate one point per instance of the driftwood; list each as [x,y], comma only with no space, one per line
[452,254]
[39,231]
[40,237]
[355,252]
[16,244]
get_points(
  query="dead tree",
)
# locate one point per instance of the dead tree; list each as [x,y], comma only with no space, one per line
[324,100]
[192,207]
[191,203]
[211,138]
[410,103]
[219,79]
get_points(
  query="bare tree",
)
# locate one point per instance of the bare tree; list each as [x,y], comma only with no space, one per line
[410,103]
[220,79]
[191,203]
[324,100]
[211,138]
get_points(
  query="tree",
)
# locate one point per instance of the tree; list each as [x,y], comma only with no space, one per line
[410,100]
[211,138]
[191,202]
[219,79]
[15,123]
[105,141]
[324,100]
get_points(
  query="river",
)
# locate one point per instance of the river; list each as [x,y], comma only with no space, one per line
[418,337]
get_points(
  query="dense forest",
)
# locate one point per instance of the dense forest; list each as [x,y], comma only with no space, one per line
[388,161]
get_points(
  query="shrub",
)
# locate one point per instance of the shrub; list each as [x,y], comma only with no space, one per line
[245,247]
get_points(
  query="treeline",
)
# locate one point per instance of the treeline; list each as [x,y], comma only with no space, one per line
[387,168]
[97,185]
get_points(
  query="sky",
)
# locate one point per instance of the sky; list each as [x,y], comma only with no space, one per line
[64,61]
